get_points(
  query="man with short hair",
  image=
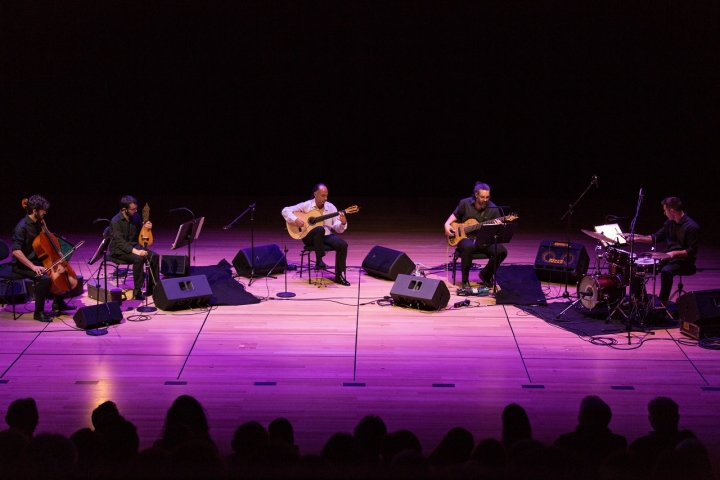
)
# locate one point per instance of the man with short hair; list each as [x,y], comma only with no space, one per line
[480,208]
[682,236]
[124,246]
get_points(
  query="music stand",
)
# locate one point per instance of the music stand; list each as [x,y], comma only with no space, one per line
[187,234]
[100,254]
[493,234]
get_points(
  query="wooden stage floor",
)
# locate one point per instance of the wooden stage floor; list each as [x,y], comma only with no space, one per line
[333,354]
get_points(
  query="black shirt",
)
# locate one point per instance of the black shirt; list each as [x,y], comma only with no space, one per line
[682,235]
[22,239]
[125,234]
[466,210]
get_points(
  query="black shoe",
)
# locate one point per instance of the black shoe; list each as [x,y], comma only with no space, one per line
[466,285]
[138,295]
[42,317]
[320,265]
[486,280]
[341,280]
[62,307]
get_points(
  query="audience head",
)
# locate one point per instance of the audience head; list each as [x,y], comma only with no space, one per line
[281,430]
[188,411]
[106,411]
[490,453]
[341,449]
[22,415]
[663,414]
[248,439]
[369,433]
[594,412]
[516,425]
[454,449]
[396,442]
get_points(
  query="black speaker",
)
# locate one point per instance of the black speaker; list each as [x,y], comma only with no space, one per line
[699,313]
[182,292]
[420,292]
[387,263]
[98,315]
[174,265]
[551,258]
[269,259]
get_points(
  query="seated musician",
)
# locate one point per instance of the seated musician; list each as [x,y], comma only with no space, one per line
[25,261]
[124,246]
[682,236]
[325,233]
[480,208]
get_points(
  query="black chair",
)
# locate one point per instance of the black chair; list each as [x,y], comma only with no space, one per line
[456,256]
[8,278]
[116,263]
[306,252]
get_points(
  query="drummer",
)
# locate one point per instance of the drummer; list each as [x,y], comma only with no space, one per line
[682,236]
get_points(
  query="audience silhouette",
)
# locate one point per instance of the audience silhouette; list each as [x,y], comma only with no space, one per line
[110,449]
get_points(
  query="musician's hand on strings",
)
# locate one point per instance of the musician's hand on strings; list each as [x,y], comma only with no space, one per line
[141,253]
[299,222]
[449,230]
[38,270]
[148,225]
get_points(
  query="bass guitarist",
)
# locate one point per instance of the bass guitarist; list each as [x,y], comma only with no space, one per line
[324,233]
[480,208]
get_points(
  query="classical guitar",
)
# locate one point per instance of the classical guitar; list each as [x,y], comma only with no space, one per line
[470,225]
[146,237]
[311,221]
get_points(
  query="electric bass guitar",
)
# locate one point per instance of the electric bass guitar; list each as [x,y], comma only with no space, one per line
[311,221]
[470,225]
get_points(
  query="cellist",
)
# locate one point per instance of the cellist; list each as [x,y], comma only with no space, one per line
[25,261]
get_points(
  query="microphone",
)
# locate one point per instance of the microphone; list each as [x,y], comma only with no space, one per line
[252,206]
[101,220]
[641,195]
[615,217]
[227,227]
[585,294]
[595,181]
[178,209]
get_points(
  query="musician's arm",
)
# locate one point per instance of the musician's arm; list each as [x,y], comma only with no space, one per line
[638,238]
[26,261]
[449,230]
[290,217]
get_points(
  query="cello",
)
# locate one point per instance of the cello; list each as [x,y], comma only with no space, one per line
[48,250]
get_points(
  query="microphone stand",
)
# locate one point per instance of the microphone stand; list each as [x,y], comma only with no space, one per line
[150,276]
[568,214]
[97,332]
[285,294]
[250,209]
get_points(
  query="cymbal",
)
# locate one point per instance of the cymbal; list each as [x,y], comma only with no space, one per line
[659,255]
[598,236]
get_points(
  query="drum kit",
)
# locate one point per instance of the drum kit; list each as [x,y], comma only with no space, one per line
[607,290]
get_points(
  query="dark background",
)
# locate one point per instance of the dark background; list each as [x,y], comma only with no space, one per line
[212,104]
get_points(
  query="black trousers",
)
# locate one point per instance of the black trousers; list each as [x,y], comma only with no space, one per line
[138,264]
[668,271]
[317,239]
[42,287]
[495,253]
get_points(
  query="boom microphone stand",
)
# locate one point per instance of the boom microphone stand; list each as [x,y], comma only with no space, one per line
[250,209]
[568,214]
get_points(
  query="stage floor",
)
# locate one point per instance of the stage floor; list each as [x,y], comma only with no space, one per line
[332,354]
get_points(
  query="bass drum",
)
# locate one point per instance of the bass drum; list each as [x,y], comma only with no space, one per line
[600,290]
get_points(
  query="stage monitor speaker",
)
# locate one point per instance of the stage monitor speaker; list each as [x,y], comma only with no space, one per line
[387,263]
[551,257]
[420,292]
[174,265]
[182,292]
[699,313]
[269,259]
[99,315]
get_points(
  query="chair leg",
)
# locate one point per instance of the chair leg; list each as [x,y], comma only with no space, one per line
[680,289]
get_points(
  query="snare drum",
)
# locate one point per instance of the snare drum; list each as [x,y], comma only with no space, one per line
[645,266]
[602,290]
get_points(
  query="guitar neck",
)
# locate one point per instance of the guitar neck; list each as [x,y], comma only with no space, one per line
[472,228]
[322,218]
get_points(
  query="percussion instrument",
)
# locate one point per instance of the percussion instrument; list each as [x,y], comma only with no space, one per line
[598,236]
[645,266]
[595,290]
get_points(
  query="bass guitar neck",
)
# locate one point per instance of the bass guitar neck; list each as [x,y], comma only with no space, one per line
[463,229]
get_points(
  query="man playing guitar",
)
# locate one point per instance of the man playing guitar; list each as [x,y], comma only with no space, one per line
[324,233]
[480,208]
